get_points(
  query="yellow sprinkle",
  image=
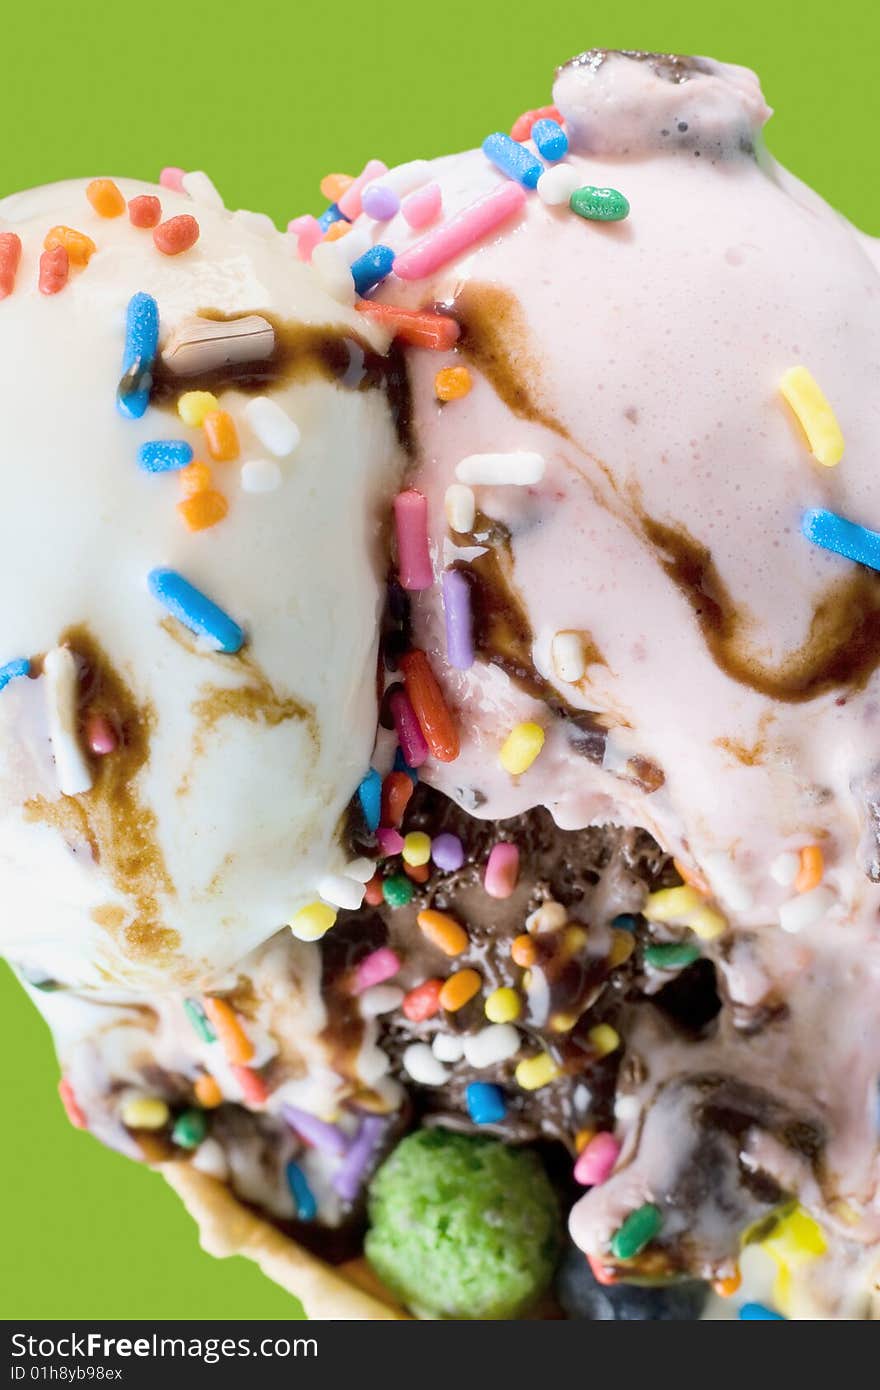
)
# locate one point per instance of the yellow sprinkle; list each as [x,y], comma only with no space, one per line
[574,939]
[503,1005]
[416,848]
[672,904]
[313,922]
[144,1112]
[534,1072]
[193,406]
[563,1023]
[550,916]
[816,417]
[705,923]
[795,1239]
[521,748]
[622,946]
[604,1038]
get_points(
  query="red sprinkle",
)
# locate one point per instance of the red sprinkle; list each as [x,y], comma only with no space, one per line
[54,270]
[145,210]
[600,1273]
[10,255]
[396,792]
[373,894]
[255,1090]
[68,1100]
[176,235]
[522,126]
[423,1001]
[419,873]
[430,707]
[101,735]
[417,327]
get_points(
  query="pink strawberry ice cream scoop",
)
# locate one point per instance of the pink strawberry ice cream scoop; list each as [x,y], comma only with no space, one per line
[656,471]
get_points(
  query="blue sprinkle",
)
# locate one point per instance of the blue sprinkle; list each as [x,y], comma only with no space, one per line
[371,268]
[485,1103]
[192,608]
[401,765]
[330,215]
[141,346]
[625,921]
[19,667]
[756,1312]
[306,1206]
[513,159]
[164,455]
[370,796]
[550,138]
[833,532]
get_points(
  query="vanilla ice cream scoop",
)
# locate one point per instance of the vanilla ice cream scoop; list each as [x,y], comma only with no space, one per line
[198,450]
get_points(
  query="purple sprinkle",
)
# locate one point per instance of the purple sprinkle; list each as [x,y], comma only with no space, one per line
[459,624]
[349,1176]
[330,1139]
[447,852]
[380,203]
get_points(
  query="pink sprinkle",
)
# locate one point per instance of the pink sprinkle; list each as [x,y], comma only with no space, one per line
[422,206]
[172,177]
[307,231]
[389,842]
[377,967]
[461,232]
[101,735]
[409,730]
[411,522]
[596,1161]
[502,870]
[71,1107]
[253,1087]
[350,202]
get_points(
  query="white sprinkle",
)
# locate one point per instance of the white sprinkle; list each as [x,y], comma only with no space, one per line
[421,1064]
[333,270]
[272,426]
[380,999]
[361,869]
[339,891]
[210,1158]
[260,475]
[556,185]
[550,916]
[785,868]
[568,656]
[448,1047]
[806,909]
[202,189]
[258,222]
[726,882]
[627,1109]
[497,1043]
[515,469]
[372,1064]
[62,707]
[461,507]
[403,178]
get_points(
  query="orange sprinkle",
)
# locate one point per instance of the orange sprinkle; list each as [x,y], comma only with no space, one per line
[459,989]
[397,789]
[208,1093]
[582,1139]
[452,383]
[373,892]
[419,873]
[725,1288]
[105,198]
[196,477]
[334,185]
[221,436]
[254,1088]
[524,951]
[811,870]
[71,1107]
[203,509]
[79,247]
[417,327]
[443,932]
[234,1040]
[337,230]
[430,708]
[693,877]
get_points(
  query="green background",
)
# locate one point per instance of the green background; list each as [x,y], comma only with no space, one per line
[267,109]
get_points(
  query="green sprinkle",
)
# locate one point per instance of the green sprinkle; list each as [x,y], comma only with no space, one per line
[397,890]
[197,1018]
[190,1129]
[639,1228]
[675,956]
[599,204]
